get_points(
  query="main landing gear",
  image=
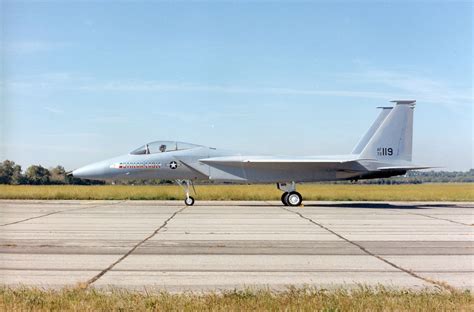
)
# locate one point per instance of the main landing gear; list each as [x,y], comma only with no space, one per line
[290,196]
[186,184]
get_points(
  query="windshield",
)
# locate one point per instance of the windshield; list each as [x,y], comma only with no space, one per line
[162,147]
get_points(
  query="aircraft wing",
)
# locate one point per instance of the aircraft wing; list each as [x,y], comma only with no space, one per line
[268,168]
[259,161]
[339,163]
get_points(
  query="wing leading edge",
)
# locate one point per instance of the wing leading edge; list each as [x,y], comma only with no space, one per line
[243,160]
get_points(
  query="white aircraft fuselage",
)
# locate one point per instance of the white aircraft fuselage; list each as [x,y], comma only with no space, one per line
[384,151]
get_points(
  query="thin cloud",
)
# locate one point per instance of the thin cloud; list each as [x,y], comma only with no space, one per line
[156,86]
[408,85]
[398,86]
[109,119]
[72,135]
[45,81]
[45,147]
[394,85]
[32,46]
[70,82]
[53,110]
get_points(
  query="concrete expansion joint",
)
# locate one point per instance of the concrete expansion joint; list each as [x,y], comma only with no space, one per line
[110,267]
[438,284]
[59,211]
[431,217]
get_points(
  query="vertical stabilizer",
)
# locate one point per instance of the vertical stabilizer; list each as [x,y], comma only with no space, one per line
[370,133]
[392,141]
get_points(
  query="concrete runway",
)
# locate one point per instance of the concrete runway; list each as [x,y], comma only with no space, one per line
[227,245]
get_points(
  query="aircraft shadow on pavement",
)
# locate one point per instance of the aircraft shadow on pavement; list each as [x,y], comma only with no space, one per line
[336,205]
[383,206]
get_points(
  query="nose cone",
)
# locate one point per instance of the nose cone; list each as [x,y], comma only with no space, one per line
[96,171]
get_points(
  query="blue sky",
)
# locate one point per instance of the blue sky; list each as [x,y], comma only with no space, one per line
[88,80]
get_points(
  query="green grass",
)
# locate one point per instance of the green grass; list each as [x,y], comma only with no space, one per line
[360,299]
[336,192]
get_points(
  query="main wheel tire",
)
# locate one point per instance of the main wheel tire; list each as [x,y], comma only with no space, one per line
[189,201]
[283,198]
[294,199]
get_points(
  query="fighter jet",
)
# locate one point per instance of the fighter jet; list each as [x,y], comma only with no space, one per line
[384,151]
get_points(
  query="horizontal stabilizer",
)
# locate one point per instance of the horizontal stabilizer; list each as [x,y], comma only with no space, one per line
[405,168]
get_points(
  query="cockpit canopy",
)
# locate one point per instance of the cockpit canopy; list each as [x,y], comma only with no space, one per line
[162,147]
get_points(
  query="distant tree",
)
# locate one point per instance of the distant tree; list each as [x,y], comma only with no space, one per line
[58,175]
[37,175]
[7,169]
[17,176]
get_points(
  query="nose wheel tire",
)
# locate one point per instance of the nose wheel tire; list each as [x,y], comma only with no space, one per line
[294,199]
[284,198]
[189,201]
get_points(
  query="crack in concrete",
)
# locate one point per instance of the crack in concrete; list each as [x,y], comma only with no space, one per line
[438,284]
[110,267]
[58,211]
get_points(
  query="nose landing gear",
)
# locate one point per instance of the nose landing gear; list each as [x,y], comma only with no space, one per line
[290,197]
[189,201]
[186,184]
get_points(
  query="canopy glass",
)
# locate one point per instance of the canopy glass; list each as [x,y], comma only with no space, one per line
[162,147]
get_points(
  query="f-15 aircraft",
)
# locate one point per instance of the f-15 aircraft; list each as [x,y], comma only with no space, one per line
[384,151]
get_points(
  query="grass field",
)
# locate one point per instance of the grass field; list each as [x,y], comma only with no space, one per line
[361,299]
[339,192]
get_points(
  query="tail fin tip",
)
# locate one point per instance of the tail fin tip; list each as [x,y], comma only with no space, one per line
[404,102]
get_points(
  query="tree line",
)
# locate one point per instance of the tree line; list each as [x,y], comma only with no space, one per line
[12,173]
[418,177]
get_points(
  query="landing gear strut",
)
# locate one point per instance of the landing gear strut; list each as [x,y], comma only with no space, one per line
[186,184]
[290,196]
